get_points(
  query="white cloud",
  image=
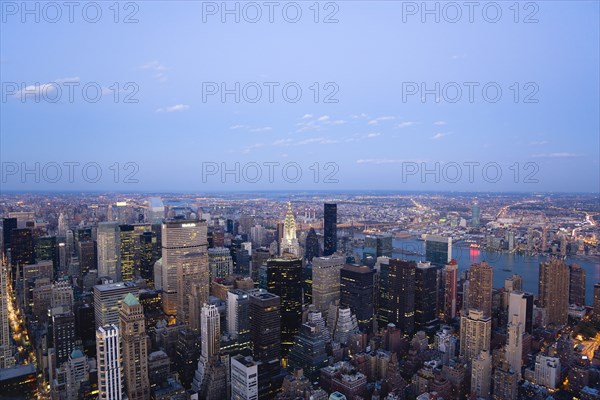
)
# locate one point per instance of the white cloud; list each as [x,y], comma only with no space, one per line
[439,123]
[379,119]
[438,136]
[264,129]
[175,108]
[405,124]
[538,142]
[373,134]
[40,89]
[554,155]
[252,147]
[323,118]
[237,126]
[282,142]
[307,116]
[154,66]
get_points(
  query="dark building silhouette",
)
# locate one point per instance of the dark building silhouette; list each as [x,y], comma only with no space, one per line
[330,229]
[284,279]
[8,224]
[576,285]
[308,352]
[426,297]
[312,245]
[356,292]
[46,249]
[401,289]
[22,251]
[146,257]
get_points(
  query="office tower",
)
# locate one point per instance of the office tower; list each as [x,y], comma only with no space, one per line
[480,288]
[62,295]
[127,251]
[289,241]
[307,283]
[284,279]
[547,370]
[514,343]
[438,249]
[326,281]
[312,245]
[356,292]
[210,381]
[475,214]
[475,334]
[316,317]
[46,249]
[377,246]
[107,301]
[450,289]
[63,334]
[146,257]
[342,323]
[426,296]
[22,251]
[576,285]
[308,351]
[257,235]
[481,375]
[505,382]
[330,229]
[397,302]
[597,301]
[238,318]
[134,344]
[554,291]
[108,351]
[220,262]
[88,257]
[185,262]
[108,251]
[521,304]
[8,224]
[155,211]
[6,357]
[244,378]
[265,332]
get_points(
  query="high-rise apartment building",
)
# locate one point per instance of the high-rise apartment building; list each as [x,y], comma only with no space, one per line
[244,378]
[238,317]
[480,287]
[399,307]
[554,291]
[576,285]
[450,289]
[127,251]
[475,334]
[514,343]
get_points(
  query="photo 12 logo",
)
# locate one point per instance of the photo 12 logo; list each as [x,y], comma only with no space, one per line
[53,12]
[469,172]
[453,12]
[70,90]
[269,172]
[252,12]
[269,92]
[69,172]
[469,92]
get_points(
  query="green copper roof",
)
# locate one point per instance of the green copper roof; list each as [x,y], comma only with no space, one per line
[131,300]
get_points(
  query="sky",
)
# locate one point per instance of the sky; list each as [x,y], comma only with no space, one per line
[371,98]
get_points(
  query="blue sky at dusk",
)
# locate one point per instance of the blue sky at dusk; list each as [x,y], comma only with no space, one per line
[363,61]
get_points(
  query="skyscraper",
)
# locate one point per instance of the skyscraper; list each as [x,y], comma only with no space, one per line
[108,251]
[6,358]
[220,262]
[438,249]
[107,301]
[426,296]
[238,318]
[481,375]
[308,351]
[356,292]
[8,224]
[22,251]
[146,257]
[284,279]
[211,339]
[127,251]
[554,290]
[480,288]
[330,229]
[475,214]
[514,344]
[326,281]
[399,305]
[576,285]
[134,344]
[475,334]
[108,351]
[289,241]
[185,263]
[312,245]
[450,289]
[521,304]
[265,332]
[63,332]
[244,378]
[597,301]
